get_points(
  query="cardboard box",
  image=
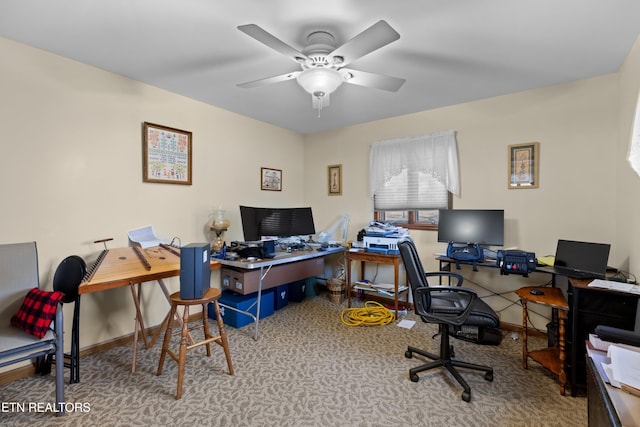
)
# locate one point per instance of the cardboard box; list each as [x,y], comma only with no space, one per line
[243,302]
[281,296]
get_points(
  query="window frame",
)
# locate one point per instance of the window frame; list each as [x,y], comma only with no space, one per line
[412,223]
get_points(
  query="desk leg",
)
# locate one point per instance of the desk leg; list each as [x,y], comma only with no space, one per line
[573,351]
[525,351]
[348,267]
[138,325]
[562,315]
[396,265]
[262,274]
[139,322]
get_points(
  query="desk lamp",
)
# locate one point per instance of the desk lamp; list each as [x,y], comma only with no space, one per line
[219,225]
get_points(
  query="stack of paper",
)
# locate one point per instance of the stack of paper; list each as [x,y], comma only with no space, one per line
[624,369]
[382,288]
[144,237]
[615,286]
[598,344]
[380,229]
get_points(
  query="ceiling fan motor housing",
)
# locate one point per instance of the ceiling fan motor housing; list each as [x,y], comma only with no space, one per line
[320,44]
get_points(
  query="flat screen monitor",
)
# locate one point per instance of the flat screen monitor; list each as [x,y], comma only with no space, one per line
[279,222]
[581,259]
[472,226]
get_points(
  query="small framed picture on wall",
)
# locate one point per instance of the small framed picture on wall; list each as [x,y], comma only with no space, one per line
[166,155]
[335,180]
[524,163]
[271,179]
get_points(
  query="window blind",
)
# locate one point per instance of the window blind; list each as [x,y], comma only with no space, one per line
[414,173]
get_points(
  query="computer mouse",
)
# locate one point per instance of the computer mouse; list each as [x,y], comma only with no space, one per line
[536,292]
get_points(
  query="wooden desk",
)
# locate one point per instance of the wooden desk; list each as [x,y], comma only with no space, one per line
[120,267]
[364,257]
[588,308]
[552,358]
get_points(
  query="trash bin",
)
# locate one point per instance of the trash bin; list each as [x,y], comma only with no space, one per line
[336,290]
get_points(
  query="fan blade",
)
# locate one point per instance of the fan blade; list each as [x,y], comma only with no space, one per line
[270,80]
[378,81]
[378,35]
[252,30]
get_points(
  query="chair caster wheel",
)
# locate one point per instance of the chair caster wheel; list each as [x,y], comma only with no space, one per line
[408,354]
[488,376]
[414,377]
[466,396]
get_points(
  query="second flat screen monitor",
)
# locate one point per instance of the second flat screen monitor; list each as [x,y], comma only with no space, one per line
[473,226]
[278,222]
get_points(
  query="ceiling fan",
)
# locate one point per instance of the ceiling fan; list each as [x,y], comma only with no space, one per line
[323,65]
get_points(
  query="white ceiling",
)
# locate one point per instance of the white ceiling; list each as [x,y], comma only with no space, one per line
[449,51]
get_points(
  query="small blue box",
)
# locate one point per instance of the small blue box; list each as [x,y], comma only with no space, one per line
[281,296]
[297,290]
[243,302]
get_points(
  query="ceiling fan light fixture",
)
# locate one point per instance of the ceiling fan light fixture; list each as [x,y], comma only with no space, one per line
[320,81]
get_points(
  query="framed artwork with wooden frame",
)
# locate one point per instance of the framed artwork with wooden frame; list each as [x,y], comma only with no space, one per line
[166,155]
[271,179]
[335,180]
[524,164]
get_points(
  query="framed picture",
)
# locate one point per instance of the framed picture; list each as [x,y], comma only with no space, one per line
[166,155]
[335,180]
[524,160]
[270,179]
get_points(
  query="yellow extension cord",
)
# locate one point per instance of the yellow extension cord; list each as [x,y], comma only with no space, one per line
[372,314]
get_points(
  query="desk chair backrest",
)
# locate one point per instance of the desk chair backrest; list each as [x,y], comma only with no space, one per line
[412,264]
[415,271]
[18,274]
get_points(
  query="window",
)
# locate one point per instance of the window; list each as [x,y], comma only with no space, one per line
[411,178]
[634,146]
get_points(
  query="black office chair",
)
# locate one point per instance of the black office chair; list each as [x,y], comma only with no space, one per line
[66,279]
[450,307]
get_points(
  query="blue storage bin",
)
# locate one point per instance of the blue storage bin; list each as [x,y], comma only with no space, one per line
[243,302]
[281,296]
[297,290]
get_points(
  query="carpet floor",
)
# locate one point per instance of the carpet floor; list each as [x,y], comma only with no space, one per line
[306,369]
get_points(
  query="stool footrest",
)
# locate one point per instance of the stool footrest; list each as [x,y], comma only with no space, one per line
[204,342]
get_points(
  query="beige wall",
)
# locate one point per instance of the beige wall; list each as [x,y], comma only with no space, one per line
[71,139]
[72,171]
[576,125]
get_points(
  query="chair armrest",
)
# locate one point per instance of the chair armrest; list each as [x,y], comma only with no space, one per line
[456,316]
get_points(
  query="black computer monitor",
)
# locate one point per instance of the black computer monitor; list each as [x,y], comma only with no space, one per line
[581,259]
[471,226]
[279,222]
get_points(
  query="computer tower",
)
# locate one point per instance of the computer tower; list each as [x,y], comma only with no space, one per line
[195,270]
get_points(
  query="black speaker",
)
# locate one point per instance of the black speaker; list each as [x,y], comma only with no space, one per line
[195,270]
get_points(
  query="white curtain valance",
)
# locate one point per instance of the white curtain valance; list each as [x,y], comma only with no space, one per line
[634,146]
[435,154]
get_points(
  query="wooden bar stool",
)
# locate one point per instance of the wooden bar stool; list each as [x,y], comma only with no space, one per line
[210,296]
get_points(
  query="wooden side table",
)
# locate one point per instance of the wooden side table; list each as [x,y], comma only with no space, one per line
[364,257]
[551,358]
